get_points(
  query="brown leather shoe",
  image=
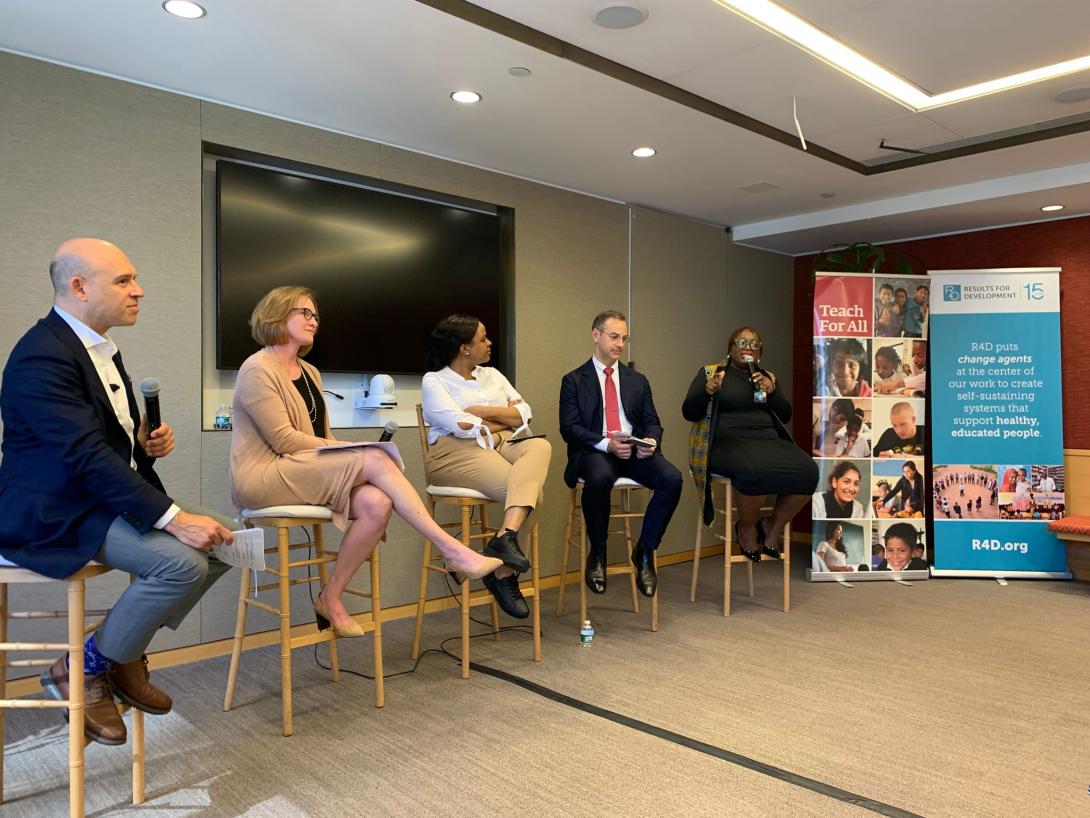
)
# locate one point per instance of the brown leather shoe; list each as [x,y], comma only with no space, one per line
[132,684]
[101,721]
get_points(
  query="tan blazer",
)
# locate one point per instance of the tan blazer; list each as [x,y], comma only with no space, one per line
[273,461]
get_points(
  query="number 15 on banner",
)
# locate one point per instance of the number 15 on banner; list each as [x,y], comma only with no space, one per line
[1034,291]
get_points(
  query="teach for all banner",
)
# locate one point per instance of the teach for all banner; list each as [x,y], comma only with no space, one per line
[869,390]
[997,434]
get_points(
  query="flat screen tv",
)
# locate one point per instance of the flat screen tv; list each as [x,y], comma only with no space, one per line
[385,266]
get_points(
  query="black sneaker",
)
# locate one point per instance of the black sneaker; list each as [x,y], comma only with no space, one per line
[508,595]
[505,546]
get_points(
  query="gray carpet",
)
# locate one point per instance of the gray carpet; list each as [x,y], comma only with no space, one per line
[947,698]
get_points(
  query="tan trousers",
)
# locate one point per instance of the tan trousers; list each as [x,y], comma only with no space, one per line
[512,473]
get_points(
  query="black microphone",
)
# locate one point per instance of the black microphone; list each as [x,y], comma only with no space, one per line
[149,387]
[759,395]
[388,432]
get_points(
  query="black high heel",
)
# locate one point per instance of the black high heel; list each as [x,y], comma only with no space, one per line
[755,554]
[762,535]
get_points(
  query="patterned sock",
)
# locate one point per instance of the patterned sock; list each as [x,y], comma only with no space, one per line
[93,661]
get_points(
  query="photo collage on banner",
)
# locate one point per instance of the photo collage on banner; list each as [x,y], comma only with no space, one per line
[998,476]
[869,421]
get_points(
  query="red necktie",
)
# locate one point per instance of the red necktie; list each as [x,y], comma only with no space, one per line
[613,412]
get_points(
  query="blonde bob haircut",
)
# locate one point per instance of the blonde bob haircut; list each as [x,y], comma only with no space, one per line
[272,312]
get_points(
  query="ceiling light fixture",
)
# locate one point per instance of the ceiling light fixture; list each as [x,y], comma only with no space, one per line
[184,9]
[644,153]
[466,97]
[1051,208]
[519,71]
[618,15]
[783,23]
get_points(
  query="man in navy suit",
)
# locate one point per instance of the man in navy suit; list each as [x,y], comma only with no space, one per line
[608,419]
[77,482]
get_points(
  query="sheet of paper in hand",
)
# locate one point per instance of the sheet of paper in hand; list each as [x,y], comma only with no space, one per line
[387,446]
[247,551]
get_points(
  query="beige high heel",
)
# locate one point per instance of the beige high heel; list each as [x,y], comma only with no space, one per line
[488,565]
[321,618]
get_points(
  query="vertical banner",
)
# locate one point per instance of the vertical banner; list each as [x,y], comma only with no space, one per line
[869,390]
[997,434]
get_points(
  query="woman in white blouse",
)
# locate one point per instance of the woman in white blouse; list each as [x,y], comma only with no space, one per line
[473,412]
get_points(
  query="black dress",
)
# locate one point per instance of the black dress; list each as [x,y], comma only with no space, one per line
[749,442]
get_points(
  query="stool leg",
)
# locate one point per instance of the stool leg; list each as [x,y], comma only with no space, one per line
[696,551]
[535,579]
[376,618]
[283,573]
[422,596]
[626,507]
[75,698]
[728,545]
[655,598]
[240,631]
[466,511]
[3,676]
[786,557]
[582,567]
[323,578]
[137,739]
[566,554]
[484,529]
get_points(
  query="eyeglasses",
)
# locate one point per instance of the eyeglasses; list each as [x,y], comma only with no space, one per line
[746,343]
[615,336]
[307,313]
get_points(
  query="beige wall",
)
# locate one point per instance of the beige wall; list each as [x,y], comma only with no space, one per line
[89,155]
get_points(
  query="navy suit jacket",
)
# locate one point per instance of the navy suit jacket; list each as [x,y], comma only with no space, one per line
[581,411]
[65,475]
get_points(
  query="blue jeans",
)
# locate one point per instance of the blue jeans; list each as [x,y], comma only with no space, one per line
[170,579]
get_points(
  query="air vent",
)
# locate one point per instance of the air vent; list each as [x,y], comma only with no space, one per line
[759,187]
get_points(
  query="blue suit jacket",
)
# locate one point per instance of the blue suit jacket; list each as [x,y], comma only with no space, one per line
[581,411]
[65,473]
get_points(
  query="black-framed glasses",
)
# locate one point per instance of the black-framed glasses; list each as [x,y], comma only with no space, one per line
[307,313]
[747,343]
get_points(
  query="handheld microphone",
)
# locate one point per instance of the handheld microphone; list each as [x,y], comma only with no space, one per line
[149,388]
[759,395]
[388,432]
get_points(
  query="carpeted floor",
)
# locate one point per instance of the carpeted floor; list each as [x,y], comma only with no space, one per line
[946,698]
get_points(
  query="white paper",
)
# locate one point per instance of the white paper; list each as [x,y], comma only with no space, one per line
[247,551]
[387,446]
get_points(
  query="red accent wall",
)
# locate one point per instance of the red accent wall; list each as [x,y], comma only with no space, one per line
[1063,243]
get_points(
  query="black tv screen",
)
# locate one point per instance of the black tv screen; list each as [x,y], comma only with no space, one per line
[385,267]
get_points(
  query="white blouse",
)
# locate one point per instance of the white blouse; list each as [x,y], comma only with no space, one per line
[446,394]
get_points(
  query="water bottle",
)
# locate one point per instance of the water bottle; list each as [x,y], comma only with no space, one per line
[222,422]
[586,634]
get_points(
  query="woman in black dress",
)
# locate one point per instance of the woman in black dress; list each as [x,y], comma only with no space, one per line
[740,436]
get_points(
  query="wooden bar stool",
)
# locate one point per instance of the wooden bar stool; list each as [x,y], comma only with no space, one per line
[75,614]
[283,519]
[471,530]
[727,538]
[623,512]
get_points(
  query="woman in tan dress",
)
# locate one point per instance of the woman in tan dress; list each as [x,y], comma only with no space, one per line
[279,421]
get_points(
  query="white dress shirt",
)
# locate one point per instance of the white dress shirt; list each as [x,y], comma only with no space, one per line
[626,427]
[446,394]
[101,350]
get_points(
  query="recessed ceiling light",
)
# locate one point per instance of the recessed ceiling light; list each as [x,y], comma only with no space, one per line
[184,9]
[644,153]
[466,97]
[779,21]
[619,15]
[828,195]
[519,71]
[1051,208]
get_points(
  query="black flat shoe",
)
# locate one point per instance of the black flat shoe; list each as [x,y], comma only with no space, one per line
[505,547]
[754,555]
[507,594]
[595,573]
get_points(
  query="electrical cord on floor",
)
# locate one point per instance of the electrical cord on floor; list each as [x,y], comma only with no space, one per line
[454,594]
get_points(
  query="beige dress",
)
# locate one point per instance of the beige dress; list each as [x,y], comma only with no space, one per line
[273,461]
